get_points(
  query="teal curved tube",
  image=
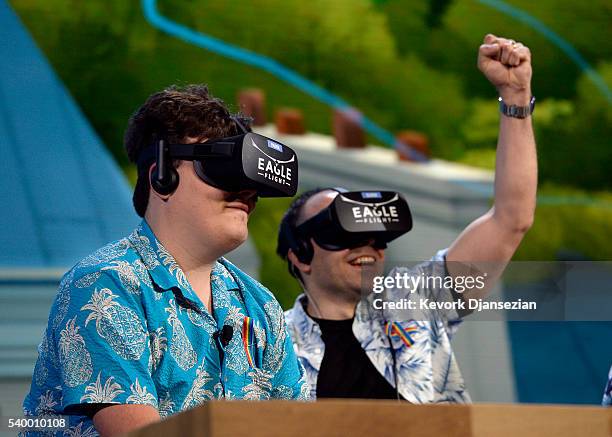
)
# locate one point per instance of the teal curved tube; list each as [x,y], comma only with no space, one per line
[554,38]
[275,68]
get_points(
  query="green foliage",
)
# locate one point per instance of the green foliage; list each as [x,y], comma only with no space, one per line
[570,220]
[346,47]
[452,45]
[111,65]
[479,133]
[482,125]
[404,63]
[555,74]
[407,64]
[437,9]
[482,158]
[111,59]
[575,146]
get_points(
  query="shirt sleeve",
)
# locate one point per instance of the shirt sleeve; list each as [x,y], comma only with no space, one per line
[103,345]
[607,398]
[431,282]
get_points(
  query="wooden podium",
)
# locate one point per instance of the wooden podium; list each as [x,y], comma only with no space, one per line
[358,418]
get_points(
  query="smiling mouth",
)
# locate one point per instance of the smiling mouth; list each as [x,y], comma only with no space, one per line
[364,260]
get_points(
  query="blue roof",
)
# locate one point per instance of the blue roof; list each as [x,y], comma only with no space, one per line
[63,194]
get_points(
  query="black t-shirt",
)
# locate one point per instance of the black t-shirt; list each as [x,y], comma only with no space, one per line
[346,371]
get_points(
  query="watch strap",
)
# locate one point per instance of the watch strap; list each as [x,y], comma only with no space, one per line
[515,110]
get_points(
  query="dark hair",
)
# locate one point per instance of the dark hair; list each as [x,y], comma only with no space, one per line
[175,114]
[289,221]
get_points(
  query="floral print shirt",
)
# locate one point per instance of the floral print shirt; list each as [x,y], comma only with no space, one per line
[127,328]
[426,370]
[607,398]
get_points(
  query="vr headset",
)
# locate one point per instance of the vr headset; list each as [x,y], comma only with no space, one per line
[242,162]
[353,219]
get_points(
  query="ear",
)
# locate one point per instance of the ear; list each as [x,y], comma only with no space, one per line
[163,197]
[302,267]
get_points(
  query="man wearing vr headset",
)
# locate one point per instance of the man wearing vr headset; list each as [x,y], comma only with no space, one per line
[334,242]
[159,322]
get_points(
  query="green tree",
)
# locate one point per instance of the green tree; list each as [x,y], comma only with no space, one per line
[575,146]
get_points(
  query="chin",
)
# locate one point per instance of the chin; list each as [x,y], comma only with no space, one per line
[237,236]
[366,279]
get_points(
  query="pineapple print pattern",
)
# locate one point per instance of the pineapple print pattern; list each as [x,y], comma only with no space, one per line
[74,356]
[196,318]
[116,334]
[88,280]
[169,261]
[260,386]
[236,356]
[119,325]
[283,392]
[46,353]
[180,346]
[96,393]
[140,395]
[166,406]
[105,254]
[127,276]
[141,272]
[234,317]
[143,246]
[81,431]
[63,299]
[158,344]
[275,355]
[198,393]
[40,373]
[260,335]
[46,407]
[222,299]
[46,404]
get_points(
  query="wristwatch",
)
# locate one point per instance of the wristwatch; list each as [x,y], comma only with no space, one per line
[517,111]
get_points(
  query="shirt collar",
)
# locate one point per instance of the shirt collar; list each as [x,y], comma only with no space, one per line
[165,272]
[305,325]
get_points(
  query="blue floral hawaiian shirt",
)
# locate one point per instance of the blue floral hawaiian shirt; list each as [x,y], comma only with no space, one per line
[607,398]
[426,368]
[127,328]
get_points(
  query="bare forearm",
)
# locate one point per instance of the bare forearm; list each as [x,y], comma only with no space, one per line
[489,242]
[516,168]
[120,419]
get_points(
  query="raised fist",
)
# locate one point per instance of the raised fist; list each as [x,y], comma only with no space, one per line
[507,65]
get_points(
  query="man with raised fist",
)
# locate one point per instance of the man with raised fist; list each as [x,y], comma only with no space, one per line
[350,351]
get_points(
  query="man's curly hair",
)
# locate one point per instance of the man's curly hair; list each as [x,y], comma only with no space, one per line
[175,114]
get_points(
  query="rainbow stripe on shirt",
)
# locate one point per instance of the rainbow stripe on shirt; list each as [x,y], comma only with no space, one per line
[248,339]
[395,329]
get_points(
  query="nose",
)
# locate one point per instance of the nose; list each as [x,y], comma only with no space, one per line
[377,246]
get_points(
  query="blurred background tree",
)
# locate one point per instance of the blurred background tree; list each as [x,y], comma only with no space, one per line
[407,64]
